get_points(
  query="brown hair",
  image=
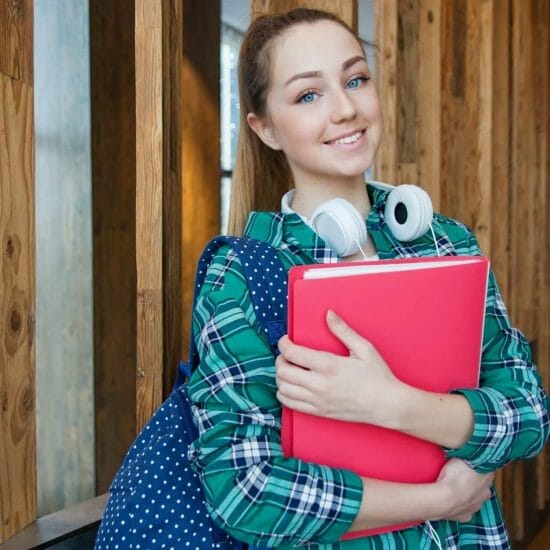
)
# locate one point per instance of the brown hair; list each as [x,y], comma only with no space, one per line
[262,175]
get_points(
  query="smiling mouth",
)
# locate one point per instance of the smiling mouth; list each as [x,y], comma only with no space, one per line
[347,139]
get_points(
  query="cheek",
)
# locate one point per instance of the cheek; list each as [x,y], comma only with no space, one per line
[374,109]
[293,128]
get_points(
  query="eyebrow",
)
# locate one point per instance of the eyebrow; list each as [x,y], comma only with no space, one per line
[316,74]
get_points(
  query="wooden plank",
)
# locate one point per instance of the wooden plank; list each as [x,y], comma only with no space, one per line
[175,338]
[57,527]
[540,20]
[461,197]
[199,172]
[453,122]
[385,166]
[500,179]
[113,182]
[501,227]
[17,303]
[408,14]
[149,182]
[16,36]
[345,9]
[429,99]
[482,195]
[466,115]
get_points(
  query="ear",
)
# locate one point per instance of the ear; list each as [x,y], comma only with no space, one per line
[264,130]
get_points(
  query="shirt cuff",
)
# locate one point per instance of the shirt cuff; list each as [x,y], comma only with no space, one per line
[483,449]
[349,510]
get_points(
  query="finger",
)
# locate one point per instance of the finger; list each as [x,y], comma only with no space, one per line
[291,373]
[296,404]
[295,393]
[283,342]
[358,345]
[305,357]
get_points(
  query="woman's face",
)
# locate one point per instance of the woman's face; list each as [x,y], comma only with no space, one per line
[323,109]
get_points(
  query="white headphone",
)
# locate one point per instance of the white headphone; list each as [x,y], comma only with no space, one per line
[408,213]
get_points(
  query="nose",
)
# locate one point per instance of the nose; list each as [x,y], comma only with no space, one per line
[342,108]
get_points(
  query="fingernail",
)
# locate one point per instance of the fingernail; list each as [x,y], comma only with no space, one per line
[331,316]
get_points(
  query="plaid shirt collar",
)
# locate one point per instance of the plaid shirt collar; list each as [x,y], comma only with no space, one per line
[290,232]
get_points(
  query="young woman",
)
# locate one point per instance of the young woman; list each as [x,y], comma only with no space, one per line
[311,121]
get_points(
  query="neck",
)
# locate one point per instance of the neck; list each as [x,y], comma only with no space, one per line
[308,196]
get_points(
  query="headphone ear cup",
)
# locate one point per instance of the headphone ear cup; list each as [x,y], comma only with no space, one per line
[340,225]
[408,212]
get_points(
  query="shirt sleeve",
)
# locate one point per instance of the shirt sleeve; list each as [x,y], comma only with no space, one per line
[510,407]
[253,492]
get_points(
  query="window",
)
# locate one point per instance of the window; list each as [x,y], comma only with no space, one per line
[230,112]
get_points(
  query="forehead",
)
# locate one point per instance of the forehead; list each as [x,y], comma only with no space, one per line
[318,46]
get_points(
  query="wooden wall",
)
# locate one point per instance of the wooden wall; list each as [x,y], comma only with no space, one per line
[465,93]
[17,287]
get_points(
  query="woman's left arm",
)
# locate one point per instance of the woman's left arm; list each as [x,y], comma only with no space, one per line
[505,419]
[510,407]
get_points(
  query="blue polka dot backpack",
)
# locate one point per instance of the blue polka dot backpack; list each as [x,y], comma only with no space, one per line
[156,500]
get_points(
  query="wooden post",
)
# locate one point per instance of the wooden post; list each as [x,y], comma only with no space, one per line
[149,174]
[113,117]
[17,275]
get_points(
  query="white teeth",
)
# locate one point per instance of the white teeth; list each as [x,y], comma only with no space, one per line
[348,139]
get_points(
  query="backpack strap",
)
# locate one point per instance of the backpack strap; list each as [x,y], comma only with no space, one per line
[266,279]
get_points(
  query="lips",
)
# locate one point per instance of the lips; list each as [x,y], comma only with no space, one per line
[347,139]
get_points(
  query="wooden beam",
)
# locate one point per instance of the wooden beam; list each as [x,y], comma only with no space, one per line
[172,257]
[114,220]
[148,62]
[195,177]
[385,166]
[428,99]
[17,274]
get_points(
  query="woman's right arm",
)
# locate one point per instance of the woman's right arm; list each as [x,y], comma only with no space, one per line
[253,491]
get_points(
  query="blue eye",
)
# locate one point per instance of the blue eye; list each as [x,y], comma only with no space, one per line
[356,81]
[307,97]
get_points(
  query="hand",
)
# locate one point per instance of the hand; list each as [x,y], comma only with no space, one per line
[358,388]
[464,490]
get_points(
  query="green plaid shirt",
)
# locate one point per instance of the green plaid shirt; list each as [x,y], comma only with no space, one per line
[267,500]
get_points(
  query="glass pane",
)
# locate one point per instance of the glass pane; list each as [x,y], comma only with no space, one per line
[366,26]
[64,322]
[233,13]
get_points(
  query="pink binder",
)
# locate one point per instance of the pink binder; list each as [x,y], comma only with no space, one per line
[425,316]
